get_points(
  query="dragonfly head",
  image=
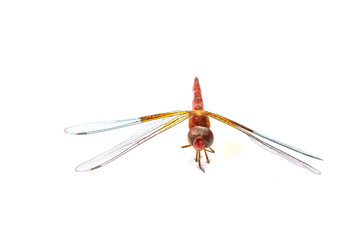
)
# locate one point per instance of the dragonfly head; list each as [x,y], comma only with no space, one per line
[200,137]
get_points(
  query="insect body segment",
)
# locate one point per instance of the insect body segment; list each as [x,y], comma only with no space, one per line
[200,136]
[198,103]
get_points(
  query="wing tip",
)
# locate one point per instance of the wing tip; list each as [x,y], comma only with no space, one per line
[319,158]
[99,166]
[313,170]
[79,169]
[68,131]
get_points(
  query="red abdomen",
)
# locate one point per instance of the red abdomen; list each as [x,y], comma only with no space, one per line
[199,119]
[197,103]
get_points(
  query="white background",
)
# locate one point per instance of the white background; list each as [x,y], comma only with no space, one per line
[288,69]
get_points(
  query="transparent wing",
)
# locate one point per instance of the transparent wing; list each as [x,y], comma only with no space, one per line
[149,131]
[283,154]
[265,145]
[240,126]
[97,127]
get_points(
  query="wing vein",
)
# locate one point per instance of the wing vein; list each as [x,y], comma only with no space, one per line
[249,130]
[149,131]
[265,145]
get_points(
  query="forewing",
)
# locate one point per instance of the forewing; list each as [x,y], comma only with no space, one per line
[249,130]
[97,127]
[263,144]
[149,131]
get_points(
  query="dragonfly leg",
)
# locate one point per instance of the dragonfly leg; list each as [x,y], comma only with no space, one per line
[211,150]
[207,158]
[198,156]
[198,159]
[185,146]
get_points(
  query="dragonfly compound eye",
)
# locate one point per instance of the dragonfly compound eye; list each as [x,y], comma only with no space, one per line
[200,137]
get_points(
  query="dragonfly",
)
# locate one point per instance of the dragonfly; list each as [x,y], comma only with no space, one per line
[200,137]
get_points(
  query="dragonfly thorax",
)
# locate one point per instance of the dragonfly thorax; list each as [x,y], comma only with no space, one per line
[200,137]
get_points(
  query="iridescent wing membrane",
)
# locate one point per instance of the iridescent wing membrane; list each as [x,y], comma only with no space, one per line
[250,133]
[159,123]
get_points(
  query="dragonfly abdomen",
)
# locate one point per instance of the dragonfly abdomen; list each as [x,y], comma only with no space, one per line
[197,103]
[200,135]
